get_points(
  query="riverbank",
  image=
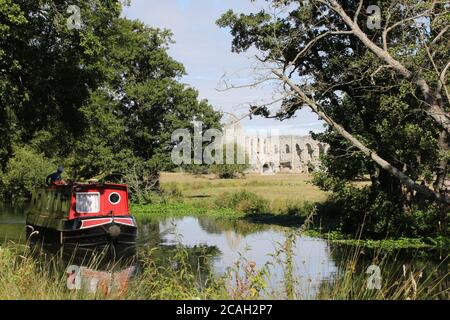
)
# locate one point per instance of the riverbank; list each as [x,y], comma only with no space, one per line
[286,200]
[178,210]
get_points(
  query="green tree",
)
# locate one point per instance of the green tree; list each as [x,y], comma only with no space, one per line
[25,171]
[230,170]
[102,99]
[131,117]
[370,86]
[47,70]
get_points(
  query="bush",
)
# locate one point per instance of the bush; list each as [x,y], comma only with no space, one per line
[25,171]
[142,179]
[380,214]
[230,171]
[243,201]
[196,169]
[424,222]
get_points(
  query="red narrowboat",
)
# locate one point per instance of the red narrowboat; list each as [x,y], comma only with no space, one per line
[83,214]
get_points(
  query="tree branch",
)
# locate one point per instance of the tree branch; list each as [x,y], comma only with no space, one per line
[435,110]
[442,82]
[436,39]
[404,179]
[313,41]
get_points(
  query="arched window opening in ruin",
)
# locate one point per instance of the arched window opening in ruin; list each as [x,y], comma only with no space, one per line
[288,149]
[310,150]
[286,166]
[299,151]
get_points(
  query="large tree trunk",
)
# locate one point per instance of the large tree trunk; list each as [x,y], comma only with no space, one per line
[404,179]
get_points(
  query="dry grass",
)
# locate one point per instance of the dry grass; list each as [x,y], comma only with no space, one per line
[188,274]
[280,190]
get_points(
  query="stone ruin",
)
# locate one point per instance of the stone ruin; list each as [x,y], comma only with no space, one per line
[273,153]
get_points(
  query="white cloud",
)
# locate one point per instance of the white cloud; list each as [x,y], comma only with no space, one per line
[205,50]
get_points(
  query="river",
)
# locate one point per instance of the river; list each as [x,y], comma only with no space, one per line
[315,261]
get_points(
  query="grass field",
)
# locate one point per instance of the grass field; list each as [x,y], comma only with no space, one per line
[280,190]
[284,199]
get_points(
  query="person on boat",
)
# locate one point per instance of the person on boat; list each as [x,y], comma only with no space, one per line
[54,178]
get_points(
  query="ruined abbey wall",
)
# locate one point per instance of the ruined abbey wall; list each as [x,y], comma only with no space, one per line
[287,153]
[273,153]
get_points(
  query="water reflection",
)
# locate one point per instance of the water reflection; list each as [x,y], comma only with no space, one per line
[12,224]
[239,240]
[213,245]
[104,270]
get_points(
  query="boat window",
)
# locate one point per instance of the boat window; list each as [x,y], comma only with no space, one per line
[88,202]
[114,198]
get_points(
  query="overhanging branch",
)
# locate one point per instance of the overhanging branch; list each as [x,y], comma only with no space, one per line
[404,179]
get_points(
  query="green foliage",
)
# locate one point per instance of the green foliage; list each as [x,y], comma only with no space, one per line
[196,169]
[50,70]
[371,212]
[137,127]
[105,98]
[230,170]
[242,201]
[424,222]
[25,171]
[373,103]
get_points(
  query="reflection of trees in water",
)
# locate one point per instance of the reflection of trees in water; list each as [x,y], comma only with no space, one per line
[17,210]
[12,213]
[149,234]
[196,259]
[210,225]
[240,227]
[233,239]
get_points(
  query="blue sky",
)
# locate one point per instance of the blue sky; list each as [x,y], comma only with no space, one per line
[205,51]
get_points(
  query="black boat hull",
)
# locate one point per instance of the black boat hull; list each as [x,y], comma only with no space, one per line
[110,233]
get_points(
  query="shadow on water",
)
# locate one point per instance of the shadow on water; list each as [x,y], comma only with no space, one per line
[296,216]
[284,220]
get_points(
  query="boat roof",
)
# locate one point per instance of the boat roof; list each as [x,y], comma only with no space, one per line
[86,185]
